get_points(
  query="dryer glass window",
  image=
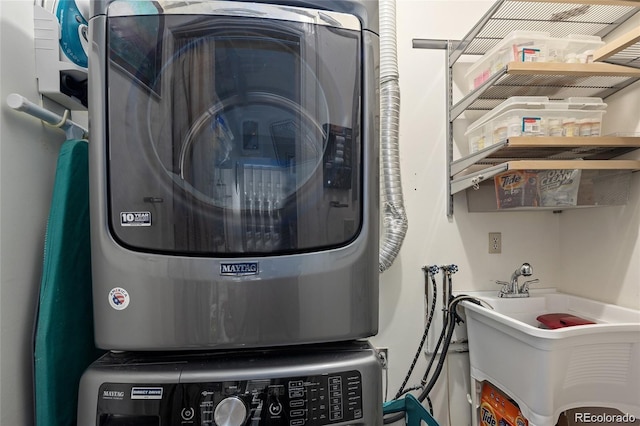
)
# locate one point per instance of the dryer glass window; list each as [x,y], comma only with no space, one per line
[233,135]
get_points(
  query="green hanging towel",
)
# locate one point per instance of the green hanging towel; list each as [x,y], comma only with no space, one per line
[64,344]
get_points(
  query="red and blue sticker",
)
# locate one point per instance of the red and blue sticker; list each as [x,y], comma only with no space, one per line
[119,298]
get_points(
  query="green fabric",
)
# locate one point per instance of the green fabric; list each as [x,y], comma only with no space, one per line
[64,344]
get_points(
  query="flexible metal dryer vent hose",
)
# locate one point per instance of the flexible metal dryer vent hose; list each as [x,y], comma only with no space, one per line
[394,216]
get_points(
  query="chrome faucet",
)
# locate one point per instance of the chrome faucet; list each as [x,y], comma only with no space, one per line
[512,289]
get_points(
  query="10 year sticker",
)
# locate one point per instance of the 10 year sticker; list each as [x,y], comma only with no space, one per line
[135,218]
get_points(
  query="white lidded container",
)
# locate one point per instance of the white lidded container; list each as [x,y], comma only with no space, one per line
[537,116]
[531,46]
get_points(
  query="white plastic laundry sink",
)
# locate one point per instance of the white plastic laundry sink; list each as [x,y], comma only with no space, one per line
[549,371]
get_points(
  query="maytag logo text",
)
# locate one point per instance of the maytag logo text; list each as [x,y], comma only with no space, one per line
[237,269]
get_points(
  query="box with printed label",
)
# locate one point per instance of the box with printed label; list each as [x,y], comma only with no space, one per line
[496,409]
[517,188]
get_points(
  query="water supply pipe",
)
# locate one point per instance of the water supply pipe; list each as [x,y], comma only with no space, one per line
[394,219]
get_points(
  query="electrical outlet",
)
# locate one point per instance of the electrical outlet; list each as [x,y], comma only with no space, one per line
[383,353]
[495,242]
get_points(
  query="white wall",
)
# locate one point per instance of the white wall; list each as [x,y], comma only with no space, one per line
[600,248]
[28,153]
[593,252]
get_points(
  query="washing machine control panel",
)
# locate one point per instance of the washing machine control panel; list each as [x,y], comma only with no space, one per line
[292,401]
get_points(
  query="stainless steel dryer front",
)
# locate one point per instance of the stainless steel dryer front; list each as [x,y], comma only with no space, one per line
[234,173]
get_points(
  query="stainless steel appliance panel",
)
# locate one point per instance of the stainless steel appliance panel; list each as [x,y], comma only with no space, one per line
[312,386]
[148,297]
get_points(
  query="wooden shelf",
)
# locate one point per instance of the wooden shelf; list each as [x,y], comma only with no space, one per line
[573,142]
[548,148]
[543,153]
[572,164]
[554,80]
[559,69]
[586,148]
[625,50]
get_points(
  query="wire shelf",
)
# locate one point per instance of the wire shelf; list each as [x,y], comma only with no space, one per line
[560,19]
[556,81]
[537,151]
[549,148]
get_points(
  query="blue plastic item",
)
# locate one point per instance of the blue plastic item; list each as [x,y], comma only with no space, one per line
[72,25]
[415,412]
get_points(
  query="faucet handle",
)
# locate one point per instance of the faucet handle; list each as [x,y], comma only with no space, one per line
[525,285]
[505,288]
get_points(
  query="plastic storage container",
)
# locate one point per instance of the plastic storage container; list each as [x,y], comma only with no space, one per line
[532,46]
[536,116]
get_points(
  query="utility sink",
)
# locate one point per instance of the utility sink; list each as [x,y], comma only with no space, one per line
[549,371]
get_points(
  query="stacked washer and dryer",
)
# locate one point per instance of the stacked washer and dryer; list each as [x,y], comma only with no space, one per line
[234,210]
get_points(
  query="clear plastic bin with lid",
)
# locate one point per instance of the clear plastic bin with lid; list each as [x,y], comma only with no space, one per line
[537,116]
[531,46]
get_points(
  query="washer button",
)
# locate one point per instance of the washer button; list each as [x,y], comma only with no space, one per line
[187,413]
[230,411]
[275,408]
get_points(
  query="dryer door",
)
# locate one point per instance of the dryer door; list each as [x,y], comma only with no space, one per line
[234,128]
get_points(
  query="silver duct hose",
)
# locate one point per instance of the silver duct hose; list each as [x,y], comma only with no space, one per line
[395,218]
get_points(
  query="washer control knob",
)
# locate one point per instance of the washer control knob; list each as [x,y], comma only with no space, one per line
[230,411]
